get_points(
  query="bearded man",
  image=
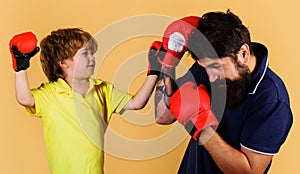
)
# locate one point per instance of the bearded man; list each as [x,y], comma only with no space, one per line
[234,106]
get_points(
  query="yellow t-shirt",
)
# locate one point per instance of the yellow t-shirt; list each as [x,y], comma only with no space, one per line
[74,125]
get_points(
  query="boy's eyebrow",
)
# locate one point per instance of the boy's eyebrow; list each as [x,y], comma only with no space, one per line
[85,49]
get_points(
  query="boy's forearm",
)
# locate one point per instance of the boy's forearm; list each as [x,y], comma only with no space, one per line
[141,98]
[23,94]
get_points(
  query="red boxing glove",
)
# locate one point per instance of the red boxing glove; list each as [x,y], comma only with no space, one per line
[175,39]
[190,105]
[155,55]
[25,42]
[22,47]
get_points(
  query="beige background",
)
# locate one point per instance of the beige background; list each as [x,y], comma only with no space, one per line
[22,150]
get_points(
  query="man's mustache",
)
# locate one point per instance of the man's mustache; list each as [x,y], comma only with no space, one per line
[219,83]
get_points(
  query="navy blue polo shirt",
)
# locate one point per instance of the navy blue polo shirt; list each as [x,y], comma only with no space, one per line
[261,123]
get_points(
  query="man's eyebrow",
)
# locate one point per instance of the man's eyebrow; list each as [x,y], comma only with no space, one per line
[213,64]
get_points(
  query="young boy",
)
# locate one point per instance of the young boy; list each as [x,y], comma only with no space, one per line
[72,105]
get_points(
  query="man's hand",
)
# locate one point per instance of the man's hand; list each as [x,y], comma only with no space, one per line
[190,105]
[175,39]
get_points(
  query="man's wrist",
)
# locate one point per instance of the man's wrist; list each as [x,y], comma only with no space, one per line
[206,135]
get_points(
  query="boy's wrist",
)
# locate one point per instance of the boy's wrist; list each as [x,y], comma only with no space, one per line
[152,76]
[20,72]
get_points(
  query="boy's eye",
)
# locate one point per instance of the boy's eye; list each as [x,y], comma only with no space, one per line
[85,53]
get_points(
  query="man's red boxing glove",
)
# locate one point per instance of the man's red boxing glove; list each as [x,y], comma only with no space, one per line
[22,47]
[190,105]
[175,39]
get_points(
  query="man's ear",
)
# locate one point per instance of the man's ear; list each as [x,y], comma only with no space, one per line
[244,54]
[199,62]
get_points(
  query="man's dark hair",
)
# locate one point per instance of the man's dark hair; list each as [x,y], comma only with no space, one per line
[221,35]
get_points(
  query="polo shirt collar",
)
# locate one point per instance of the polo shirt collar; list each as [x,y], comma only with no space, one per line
[93,83]
[261,53]
[63,87]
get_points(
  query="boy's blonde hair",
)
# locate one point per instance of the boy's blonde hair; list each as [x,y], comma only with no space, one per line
[60,45]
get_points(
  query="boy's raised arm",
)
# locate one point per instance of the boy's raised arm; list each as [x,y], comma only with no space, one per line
[23,94]
[22,48]
[141,98]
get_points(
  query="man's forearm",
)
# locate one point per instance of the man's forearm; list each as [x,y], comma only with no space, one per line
[228,159]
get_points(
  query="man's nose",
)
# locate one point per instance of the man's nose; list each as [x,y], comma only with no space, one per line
[213,78]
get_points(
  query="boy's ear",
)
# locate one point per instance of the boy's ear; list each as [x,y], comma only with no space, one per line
[63,64]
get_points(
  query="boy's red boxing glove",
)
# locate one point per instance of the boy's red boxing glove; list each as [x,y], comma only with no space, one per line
[175,39]
[155,55]
[190,105]
[22,47]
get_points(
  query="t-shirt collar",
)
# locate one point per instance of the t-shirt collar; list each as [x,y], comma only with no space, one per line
[261,53]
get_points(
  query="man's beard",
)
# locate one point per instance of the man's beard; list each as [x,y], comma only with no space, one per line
[236,90]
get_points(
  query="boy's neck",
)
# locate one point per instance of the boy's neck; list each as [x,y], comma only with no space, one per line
[80,86]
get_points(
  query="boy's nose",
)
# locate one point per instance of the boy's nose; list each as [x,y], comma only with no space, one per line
[92,58]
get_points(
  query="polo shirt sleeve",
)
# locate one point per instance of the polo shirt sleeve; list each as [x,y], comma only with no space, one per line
[267,127]
[42,99]
[115,99]
[119,99]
